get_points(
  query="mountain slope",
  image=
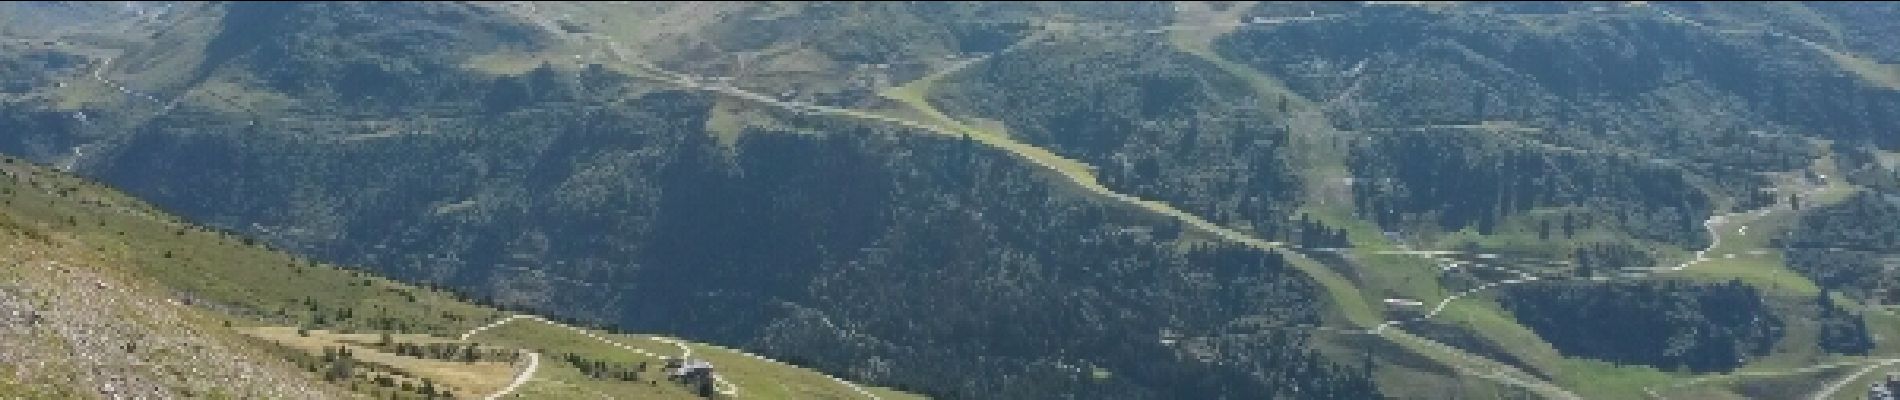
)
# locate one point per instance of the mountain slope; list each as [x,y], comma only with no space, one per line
[108,296]
[998,200]
[665,207]
[75,330]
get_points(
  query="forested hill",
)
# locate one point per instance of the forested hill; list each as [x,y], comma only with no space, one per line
[1048,200]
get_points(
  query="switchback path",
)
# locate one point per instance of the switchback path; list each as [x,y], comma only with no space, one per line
[686,352]
[534,363]
[725,388]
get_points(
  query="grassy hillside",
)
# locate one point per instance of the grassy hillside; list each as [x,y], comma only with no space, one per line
[84,258]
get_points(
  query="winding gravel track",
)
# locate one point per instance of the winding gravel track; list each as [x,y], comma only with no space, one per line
[1078,174]
[1828,391]
[721,384]
[534,364]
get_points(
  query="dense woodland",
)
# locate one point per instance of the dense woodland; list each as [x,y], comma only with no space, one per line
[1155,123]
[1861,165]
[1842,331]
[1668,324]
[1852,246]
[1457,180]
[1015,283]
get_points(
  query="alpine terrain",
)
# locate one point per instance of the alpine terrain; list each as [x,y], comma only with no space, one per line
[968,200]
